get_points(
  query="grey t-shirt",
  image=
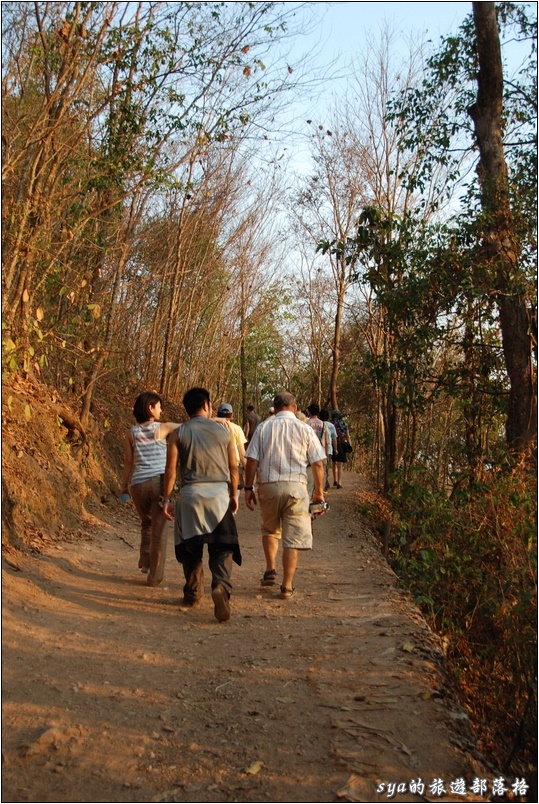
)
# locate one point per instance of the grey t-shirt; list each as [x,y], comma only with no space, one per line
[204,471]
[203,447]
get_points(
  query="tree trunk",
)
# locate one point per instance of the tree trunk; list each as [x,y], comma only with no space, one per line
[391,428]
[336,348]
[89,386]
[500,245]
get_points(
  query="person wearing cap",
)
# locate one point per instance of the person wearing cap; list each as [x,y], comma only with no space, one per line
[278,454]
[342,438]
[205,511]
[225,414]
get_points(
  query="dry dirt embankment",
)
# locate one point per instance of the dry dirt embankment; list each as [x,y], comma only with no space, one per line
[112,693]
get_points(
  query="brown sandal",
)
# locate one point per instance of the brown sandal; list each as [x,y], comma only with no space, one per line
[270,576]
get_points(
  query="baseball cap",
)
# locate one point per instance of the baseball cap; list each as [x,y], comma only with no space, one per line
[224,409]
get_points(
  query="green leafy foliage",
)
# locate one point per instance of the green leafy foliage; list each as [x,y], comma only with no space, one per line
[470,561]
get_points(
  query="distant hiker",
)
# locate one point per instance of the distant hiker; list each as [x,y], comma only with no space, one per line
[252,420]
[318,427]
[343,446]
[278,454]
[145,454]
[330,443]
[314,422]
[225,414]
[204,514]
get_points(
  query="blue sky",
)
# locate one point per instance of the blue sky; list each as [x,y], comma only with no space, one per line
[344,24]
[339,30]
[336,34]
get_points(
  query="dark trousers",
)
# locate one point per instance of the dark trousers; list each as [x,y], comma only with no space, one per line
[189,554]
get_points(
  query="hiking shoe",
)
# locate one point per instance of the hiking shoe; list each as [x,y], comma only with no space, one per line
[269,578]
[221,603]
[335,485]
[190,602]
[286,594]
[339,486]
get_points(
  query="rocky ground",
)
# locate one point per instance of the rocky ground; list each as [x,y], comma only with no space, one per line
[112,693]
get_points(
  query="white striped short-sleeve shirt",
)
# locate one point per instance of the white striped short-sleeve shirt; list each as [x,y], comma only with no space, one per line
[283,447]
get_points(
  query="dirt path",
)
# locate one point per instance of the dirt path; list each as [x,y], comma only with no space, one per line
[112,693]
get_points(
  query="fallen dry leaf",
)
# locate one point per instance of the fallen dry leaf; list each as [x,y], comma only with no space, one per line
[254,767]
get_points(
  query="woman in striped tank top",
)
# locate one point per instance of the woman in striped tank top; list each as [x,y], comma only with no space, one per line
[145,457]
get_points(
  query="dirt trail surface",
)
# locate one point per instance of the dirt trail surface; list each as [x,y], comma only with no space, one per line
[112,693]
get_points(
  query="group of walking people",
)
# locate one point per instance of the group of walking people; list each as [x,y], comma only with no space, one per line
[282,463]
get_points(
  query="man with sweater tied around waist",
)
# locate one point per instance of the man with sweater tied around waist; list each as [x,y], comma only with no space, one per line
[279,452]
[204,514]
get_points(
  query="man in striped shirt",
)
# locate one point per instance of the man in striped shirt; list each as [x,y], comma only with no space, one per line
[279,452]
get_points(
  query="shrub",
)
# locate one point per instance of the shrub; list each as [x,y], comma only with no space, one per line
[470,562]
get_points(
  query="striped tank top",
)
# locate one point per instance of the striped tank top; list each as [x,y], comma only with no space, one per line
[150,453]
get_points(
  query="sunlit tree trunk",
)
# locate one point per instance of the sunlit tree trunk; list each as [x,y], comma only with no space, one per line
[336,348]
[500,245]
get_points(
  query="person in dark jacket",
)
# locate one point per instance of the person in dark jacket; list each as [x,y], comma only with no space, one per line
[342,438]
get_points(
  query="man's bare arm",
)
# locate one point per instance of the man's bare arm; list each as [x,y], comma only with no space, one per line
[234,475]
[233,468]
[318,477]
[251,466]
[171,467]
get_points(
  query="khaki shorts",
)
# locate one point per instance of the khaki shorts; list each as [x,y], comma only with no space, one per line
[284,507]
